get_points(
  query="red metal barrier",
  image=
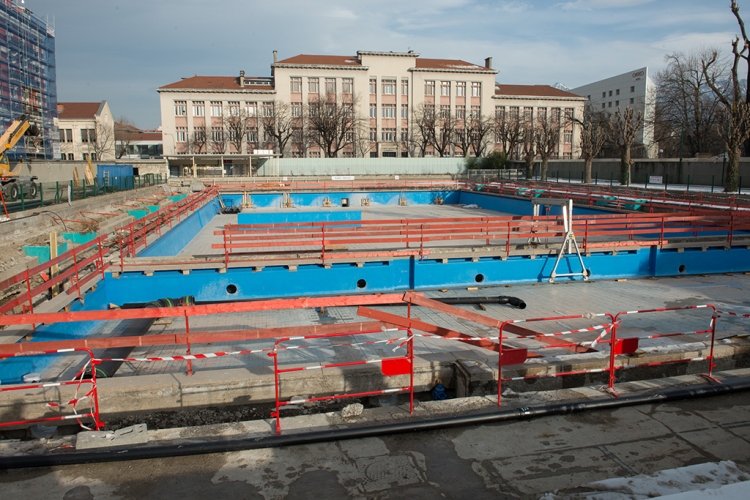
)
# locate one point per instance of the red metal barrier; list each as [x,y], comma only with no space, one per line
[518,355]
[78,380]
[401,365]
[630,345]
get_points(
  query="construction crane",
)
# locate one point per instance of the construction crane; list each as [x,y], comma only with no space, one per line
[11,181]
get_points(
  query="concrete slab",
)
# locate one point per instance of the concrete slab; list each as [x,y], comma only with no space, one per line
[125,437]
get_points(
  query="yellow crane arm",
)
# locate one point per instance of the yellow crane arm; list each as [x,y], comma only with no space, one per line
[13,134]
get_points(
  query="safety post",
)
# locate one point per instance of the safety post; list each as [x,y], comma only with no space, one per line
[390,367]
[78,380]
[514,356]
[630,345]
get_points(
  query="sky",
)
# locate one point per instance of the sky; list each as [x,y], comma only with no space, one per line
[122,51]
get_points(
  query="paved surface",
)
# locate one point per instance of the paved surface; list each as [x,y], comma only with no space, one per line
[727,293]
[521,459]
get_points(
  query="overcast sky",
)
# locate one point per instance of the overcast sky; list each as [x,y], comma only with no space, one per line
[122,51]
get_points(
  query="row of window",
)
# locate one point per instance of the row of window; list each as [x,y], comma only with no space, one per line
[617,103]
[87,135]
[234,108]
[313,85]
[514,113]
[71,156]
[617,92]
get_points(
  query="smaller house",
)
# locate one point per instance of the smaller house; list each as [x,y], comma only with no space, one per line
[87,131]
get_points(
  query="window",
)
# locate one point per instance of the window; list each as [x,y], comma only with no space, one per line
[610,104]
[568,136]
[460,113]
[445,88]
[588,97]
[632,100]
[617,91]
[312,86]
[389,135]
[429,110]
[62,137]
[252,135]
[617,103]
[85,156]
[404,87]
[373,110]
[528,114]
[389,86]
[389,111]
[476,112]
[234,108]
[404,111]
[347,85]
[461,89]
[330,86]
[476,89]
[199,108]
[569,113]
[88,135]
[373,135]
[216,108]
[445,111]
[93,156]
[180,108]
[500,113]
[69,135]
[373,85]
[610,93]
[555,116]
[268,109]
[251,109]
[632,89]
[296,109]
[404,135]
[297,134]
[70,156]
[181,134]
[313,154]
[541,114]
[568,156]
[200,133]
[514,110]
[429,87]
[217,134]
[295,84]
[604,105]
[604,94]
[460,135]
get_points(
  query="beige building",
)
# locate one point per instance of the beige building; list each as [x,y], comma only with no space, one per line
[87,131]
[392,94]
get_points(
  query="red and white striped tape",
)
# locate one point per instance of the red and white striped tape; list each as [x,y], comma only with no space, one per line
[730,313]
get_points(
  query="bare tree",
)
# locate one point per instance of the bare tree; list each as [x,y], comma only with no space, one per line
[687,110]
[480,131]
[528,142]
[197,142]
[333,122]
[235,129]
[103,142]
[280,125]
[624,126]
[125,133]
[746,56]
[424,127]
[594,134]
[443,136]
[547,138]
[509,131]
[218,140]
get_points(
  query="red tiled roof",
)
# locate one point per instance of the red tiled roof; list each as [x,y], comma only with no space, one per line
[307,59]
[77,110]
[454,64]
[214,82]
[531,90]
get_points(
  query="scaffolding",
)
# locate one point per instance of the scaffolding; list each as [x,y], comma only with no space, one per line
[28,83]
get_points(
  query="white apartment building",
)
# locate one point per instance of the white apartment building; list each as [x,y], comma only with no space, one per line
[634,89]
[87,131]
[387,88]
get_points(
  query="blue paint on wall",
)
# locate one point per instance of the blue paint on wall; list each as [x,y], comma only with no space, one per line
[354,198]
[173,241]
[517,206]
[291,216]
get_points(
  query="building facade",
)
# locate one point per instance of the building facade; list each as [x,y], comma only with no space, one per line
[87,131]
[28,84]
[634,89]
[399,99]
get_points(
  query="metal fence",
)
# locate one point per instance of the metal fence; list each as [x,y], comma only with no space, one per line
[34,195]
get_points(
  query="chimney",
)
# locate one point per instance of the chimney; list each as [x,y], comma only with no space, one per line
[242,79]
[275,56]
[488,63]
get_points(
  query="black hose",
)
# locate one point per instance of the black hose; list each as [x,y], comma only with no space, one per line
[497,299]
[146,452]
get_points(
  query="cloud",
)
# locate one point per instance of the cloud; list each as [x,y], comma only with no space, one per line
[342,14]
[601,4]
